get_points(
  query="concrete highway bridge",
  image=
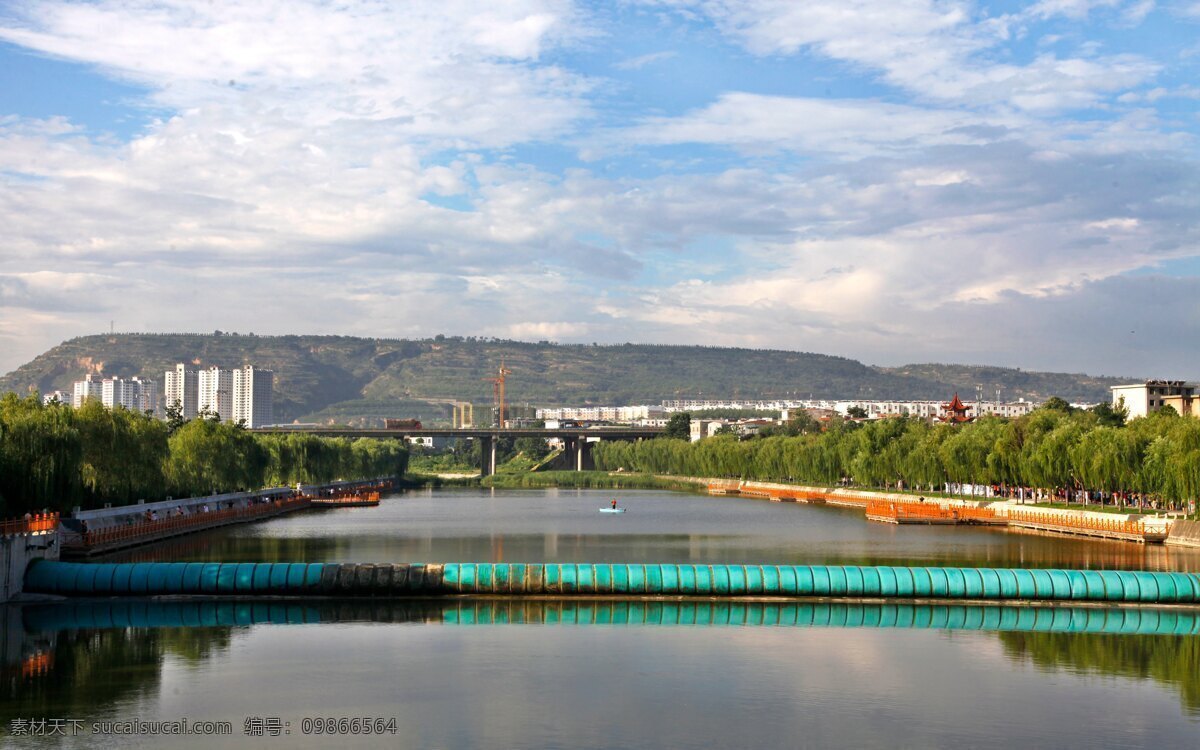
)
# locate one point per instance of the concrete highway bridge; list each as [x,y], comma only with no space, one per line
[576,441]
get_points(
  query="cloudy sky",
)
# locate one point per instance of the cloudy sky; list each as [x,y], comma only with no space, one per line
[895,181]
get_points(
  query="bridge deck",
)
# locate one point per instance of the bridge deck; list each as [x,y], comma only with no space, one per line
[610,433]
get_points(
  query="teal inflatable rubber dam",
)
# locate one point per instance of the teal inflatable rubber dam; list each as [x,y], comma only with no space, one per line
[606,580]
[126,613]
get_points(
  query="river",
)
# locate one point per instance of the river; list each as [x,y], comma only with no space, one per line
[516,675]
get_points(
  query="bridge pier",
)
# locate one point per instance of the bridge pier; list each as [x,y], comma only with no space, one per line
[579,453]
[487,455]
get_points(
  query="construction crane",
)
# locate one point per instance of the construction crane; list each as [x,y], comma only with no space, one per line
[498,392]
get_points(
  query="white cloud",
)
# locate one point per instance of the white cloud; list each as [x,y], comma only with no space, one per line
[1075,9]
[641,61]
[553,331]
[933,49]
[844,127]
[454,71]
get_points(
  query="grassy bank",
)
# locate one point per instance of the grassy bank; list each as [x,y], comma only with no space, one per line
[600,480]
[414,480]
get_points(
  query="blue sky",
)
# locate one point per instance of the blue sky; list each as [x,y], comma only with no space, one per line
[914,180]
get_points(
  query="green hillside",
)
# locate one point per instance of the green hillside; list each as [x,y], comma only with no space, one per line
[356,380]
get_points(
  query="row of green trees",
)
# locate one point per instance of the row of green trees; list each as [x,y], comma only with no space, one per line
[56,457]
[1051,448]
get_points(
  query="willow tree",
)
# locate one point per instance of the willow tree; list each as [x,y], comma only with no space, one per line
[965,452]
[1108,459]
[1172,466]
[40,451]
[923,464]
[207,456]
[877,459]
[123,453]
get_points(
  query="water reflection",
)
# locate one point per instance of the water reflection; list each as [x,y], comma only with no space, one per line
[472,525]
[74,615]
[84,658]
[76,672]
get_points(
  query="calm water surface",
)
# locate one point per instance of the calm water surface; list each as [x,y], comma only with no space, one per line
[532,683]
[473,525]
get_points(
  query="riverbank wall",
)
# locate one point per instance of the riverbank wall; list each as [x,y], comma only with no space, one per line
[21,543]
[1185,534]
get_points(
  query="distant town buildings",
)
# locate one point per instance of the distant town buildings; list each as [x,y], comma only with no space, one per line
[624,414]
[62,397]
[1142,398]
[243,394]
[818,408]
[133,393]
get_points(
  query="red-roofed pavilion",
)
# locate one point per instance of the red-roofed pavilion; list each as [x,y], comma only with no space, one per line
[955,412]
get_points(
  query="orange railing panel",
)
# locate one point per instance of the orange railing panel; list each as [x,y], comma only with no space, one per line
[39,524]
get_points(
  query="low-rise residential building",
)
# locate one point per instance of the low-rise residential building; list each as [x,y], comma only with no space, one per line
[1142,398]
[619,414]
[61,397]
[704,428]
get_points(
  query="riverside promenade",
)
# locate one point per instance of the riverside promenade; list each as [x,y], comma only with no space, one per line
[903,508]
[96,532]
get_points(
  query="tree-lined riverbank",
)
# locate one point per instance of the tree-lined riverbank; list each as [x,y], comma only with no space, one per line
[1153,460]
[56,457]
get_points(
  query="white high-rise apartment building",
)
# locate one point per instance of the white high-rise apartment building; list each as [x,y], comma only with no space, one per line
[214,388]
[182,385]
[85,389]
[253,396]
[134,394]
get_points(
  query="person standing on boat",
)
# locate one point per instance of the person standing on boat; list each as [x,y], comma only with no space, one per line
[614,503]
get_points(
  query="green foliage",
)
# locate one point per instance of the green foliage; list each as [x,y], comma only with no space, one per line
[175,418]
[123,453]
[1055,403]
[1109,416]
[208,456]
[56,457]
[40,455]
[679,426]
[532,447]
[856,412]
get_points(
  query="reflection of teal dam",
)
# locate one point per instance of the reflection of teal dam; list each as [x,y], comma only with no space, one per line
[515,579]
[207,613]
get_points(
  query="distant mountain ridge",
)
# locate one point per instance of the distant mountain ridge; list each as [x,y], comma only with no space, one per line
[359,380]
